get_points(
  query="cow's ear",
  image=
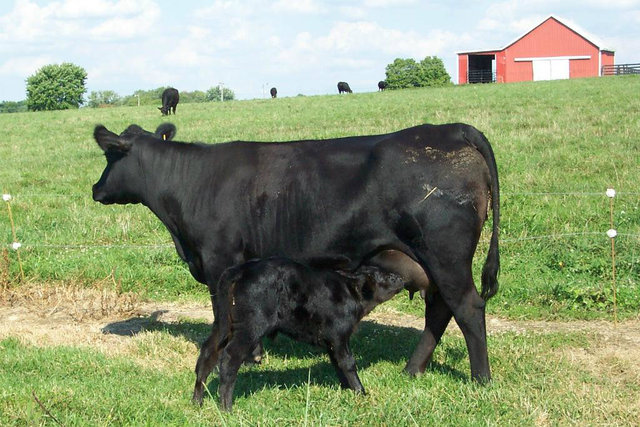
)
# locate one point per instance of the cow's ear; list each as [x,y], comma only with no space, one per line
[108,140]
[166,131]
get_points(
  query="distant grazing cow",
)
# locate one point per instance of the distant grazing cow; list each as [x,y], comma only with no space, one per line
[274,92]
[319,306]
[170,99]
[382,85]
[424,191]
[343,87]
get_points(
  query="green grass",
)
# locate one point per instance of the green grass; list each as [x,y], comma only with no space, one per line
[578,136]
[536,382]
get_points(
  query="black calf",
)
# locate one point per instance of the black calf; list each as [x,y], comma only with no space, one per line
[318,306]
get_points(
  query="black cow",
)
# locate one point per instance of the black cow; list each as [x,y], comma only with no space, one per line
[170,99]
[382,85]
[319,306]
[343,87]
[424,191]
[274,92]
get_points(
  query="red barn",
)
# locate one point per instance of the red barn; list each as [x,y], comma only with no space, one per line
[552,50]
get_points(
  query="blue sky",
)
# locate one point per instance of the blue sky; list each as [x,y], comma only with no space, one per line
[299,46]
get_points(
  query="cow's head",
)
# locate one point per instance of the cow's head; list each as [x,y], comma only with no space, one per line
[165,131]
[121,180]
[164,110]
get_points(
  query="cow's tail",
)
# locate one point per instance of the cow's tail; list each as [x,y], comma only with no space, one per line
[492,263]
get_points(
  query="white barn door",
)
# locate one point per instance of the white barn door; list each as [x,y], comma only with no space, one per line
[550,69]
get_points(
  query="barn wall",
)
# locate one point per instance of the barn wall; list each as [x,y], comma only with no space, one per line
[607,58]
[463,66]
[549,39]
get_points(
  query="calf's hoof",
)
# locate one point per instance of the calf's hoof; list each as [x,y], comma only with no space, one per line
[197,395]
[413,371]
[197,398]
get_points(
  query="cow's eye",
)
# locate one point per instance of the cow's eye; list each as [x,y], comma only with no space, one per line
[113,156]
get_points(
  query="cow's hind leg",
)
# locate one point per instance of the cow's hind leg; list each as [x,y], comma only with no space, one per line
[456,287]
[437,317]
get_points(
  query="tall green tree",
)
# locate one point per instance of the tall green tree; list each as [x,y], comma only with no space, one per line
[433,72]
[213,94]
[403,73]
[56,87]
[13,106]
[103,97]
[406,73]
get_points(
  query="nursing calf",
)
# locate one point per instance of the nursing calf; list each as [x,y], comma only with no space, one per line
[320,306]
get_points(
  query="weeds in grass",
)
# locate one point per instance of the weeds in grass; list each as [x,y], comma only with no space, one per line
[76,300]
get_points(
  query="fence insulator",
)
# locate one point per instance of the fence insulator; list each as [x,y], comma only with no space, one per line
[16,245]
[6,197]
[611,193]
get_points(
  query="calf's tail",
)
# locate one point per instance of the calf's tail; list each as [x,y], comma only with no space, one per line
[223,303]
[492,263]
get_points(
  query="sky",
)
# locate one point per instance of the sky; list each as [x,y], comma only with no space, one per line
[299,46]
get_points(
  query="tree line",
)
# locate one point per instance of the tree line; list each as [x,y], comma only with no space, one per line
[108,98]
[62,86]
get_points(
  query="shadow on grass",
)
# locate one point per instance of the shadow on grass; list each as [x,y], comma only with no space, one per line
[370,344]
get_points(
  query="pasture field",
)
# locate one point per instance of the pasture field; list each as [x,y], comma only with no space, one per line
[559,145]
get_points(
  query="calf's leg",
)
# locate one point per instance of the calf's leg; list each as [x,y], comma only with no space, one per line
[345,365]
[206,362]
[234,353]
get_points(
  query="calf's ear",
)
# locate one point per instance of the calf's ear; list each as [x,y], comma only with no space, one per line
[166,131]
[108,140]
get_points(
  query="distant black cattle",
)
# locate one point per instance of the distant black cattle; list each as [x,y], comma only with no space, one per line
[382,85]
[170,99]
[424,191]
[319,306]
[274,92]
[343,87]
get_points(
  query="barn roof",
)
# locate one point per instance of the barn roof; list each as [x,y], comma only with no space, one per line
[567,23]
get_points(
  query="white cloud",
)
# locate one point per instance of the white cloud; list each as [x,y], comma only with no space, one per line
[362,36]
[24,66]
[77,19]
[387,3]
[298,6]
[81,9]
[352,12]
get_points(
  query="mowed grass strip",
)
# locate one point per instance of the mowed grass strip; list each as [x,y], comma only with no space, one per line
[538,379]
[556,143]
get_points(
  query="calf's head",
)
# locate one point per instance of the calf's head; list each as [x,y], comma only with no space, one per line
[374,285]
[121,179]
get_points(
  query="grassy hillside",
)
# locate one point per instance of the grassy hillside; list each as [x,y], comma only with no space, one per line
[559,145]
